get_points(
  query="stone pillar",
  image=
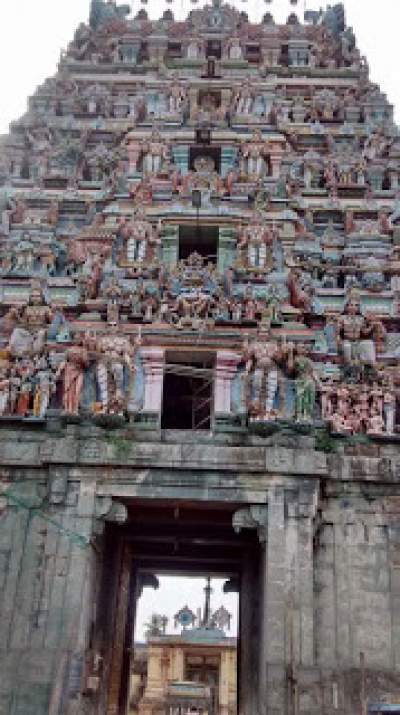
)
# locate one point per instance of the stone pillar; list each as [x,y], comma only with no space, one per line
[343,594]
[177,665]
[226,98]
[226,248]
[394,179]
[275,605]
[285,530]
[170,245]
[301,510]
[275,156]
[225,371]
[158,49]
[153,363]
[193,95]
[134,151]
[249,636]
[224,683]
[253,649]
[73,668]
[154,685]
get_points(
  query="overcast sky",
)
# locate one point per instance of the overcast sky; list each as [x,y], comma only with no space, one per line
[32,32]
[176,593]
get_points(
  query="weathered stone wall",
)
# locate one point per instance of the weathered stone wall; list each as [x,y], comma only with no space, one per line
[47,572]
[328,585]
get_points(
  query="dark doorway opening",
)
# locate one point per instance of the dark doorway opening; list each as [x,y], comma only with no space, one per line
[187,395]
[214,49]
[199,239]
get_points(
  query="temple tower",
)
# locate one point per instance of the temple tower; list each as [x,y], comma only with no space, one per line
[199,358]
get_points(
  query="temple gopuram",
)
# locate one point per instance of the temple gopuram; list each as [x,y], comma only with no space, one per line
[199,359]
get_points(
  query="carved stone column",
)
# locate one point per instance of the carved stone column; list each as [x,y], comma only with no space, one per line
[274,621]
[226,97]
[153,363]
[252,597]
[78,669]
[193,99]
[158,49]
[270,524]
[225,371]
[275,156]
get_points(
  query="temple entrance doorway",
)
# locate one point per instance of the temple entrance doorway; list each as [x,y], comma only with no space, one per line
[179,638]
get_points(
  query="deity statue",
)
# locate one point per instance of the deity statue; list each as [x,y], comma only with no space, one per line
[52,213]
[204,178]
[176,97]
[113,293]
[312,169]
[254,156]
[376,423]
[300,292]
[155,152]
[24,384]
[142,194]
[327,393]
[375,146]
[358,334]
[115,369]
[195,48]
[305,383]
[24,255]
[389,406]
[4,387]
[140,238]
[261,358]
[244,99]
[44,385]
[17,211]
[32,320]
[257,238]
[134,150]
[234,48]
[73,368]
[90,279]
[40,140]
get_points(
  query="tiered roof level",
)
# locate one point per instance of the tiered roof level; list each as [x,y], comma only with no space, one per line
[213,194]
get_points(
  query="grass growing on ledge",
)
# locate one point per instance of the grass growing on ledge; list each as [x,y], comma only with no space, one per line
[122,448]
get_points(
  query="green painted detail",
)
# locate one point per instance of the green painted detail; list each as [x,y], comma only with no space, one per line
[235,64]
[181,158]
[226,249]
[169,246]
[228,158]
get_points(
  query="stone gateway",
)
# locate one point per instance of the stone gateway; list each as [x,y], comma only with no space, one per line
[199,361]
